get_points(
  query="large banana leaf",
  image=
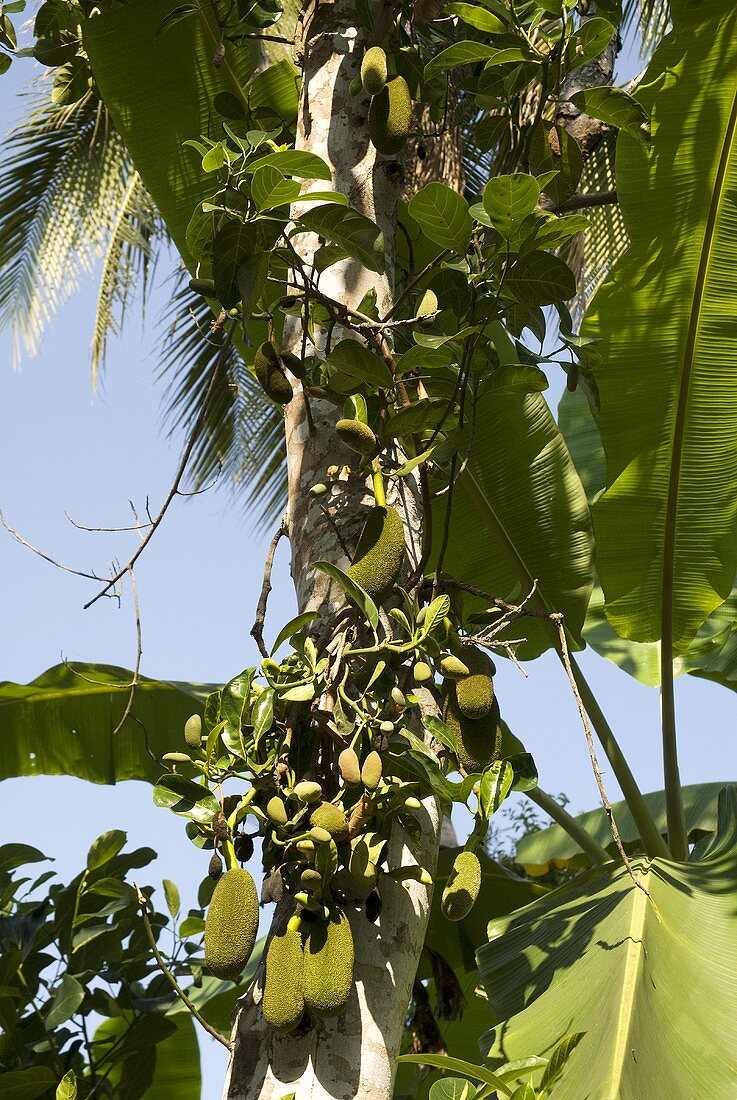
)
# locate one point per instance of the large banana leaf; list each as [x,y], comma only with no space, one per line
[62,723]
[520,514]
[537,850]
[666,367]
[651,982]
[159,91]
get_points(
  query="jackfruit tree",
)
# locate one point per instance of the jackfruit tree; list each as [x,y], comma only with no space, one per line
[397,226]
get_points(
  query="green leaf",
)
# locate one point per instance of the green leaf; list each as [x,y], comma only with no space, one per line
[353,359]
[295,162]
[14,855]
[65,1000]
[233,245]
[270,189]
[476,16]
[666,362]
[274,91]
[186,798]
[171,892]
[294,626]
[421,416]
[617,108]
[581,434]
[456,1065]
[558,1060]
[645,952]
[509,199]
[525,1091]
[71,82]
[520,514]
[67,1087]
[515,378]
[460,53]
[105,848]
[174,16]
[442,215]
[591,38]
[360,598]
[26,1084]
[451,1088]
[496,783]
[540,278]
[355,233]
[700,807]
[62,723]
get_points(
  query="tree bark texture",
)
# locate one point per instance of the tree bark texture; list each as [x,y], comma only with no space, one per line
[350,1057]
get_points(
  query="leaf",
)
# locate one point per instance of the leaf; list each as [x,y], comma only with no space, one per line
[105,848]
[356,361]
[233,245]
[71,82]
[295,162]
[186,798]
[171,893]
[460,53]
[455,1065]
[700,807]
[421,416]
[581,433]
[515,378]
[62,723]
[26,1084]
[520,514]
[66,999]
[540,278]
[14,855]
[476,16]
[67,1087]
[294,626]
[270,189]
[442,215]
[591,39]
[273,91]
[451,1088]
[645,953]
[668,416]
[559,1058]
[617,108]
[174,16]
[440,731]
[496,783]
[360,598]
[509,199]
[358,235]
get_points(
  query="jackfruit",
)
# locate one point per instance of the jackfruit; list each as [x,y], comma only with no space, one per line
[479,739]
[462,887]
[332,819]
[390,115]
[272,378]
[357,436]
[328,965]
[421,672]
[453,667]
[362,871]
[379,553]
[350,767]
[205,287]
[283,1002]
[193,731]
[231,924]
[276,811]
[308,791]
[371,771]
[475,692]
[294,364]
[373,70]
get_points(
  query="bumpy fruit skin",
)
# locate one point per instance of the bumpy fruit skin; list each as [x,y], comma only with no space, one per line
[479,739]
[283,1003]
[328,965]
[231,924]
[193,731]
[350,767]
[453,667]
[390,115]
[294,364]
[357,436]
[205,287]
[371,771]
[475,692]
[462,887]
[276,811]
[332,819]
[421,672]
[373,70]
[380,552]
[269,373]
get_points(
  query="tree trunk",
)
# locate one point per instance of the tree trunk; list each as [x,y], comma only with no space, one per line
[351,1056]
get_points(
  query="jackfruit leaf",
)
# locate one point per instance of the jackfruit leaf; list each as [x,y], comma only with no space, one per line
[440,731]
[645,951]
[357,362]
[62,723]
[516,378]
[262,715]
[496,784]
[666,362]
[358,595]
[134,71]
[354,232]
[234,244]
[700,807]
[270,188]
[27,1084]
[295,162]
[617,108]
[520,515]
[424,415]
[67,1087]
[167,1065]
[509,199]
[467,52]
[540,278]
[451,1088]
[476,16]
[105,848]
[294,626]
[171,893]
[455,1065]
[588,41]
[185,798]
[442,215]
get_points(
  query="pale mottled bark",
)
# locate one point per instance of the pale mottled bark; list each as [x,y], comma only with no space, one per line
[350,1057]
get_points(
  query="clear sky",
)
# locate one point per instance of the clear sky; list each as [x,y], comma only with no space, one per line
[63,449]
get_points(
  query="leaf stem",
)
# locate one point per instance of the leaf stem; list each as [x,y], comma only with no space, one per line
[677,833]
[596,852]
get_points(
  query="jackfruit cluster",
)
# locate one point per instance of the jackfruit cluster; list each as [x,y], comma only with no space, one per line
[357,436]
[283,1003]
[390,115]
[268,370]
[374,70]
[328,965]
[231,924]
[462,887]
[380,552]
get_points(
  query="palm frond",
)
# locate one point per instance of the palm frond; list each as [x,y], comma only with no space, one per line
[646,19]
[243,433]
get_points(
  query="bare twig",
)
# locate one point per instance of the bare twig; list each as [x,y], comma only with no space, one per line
[257,630]
[413,283]
[46,557]
[139,650]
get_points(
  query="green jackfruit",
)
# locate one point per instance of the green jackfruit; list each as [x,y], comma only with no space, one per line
[269,373]
[475,692]
[231,924]
[371,771]
[421,672]
[308,791]
[193,731]
[390,115]
[357,436]
[350,767]
[283,1003]
[293,363]
[328,966]
[453,667]
[462,887]
[373,70]
[479,739]
[332,819]
[380,552]
[276,811]
[205,287]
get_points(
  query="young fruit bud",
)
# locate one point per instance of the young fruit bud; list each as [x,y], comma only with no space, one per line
[205,287]
[307,791]
[371,771]
[320,835]
[269,373]
[307,847]
[177,758]
[374,70]
[293,364]
[215,866]
[350,767]
[276,812]
[295,923]
[421,672]
[193,731]
[453,667]
[318,490]
[412,803]
[311,879]
[398,697]
[357,436]
[386,727]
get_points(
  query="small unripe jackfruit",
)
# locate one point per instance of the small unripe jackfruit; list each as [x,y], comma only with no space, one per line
[371,771]
[332,819]
[357,436]
[193,731]
[350,767]
[269,373]
[379,553]
[276,811]
[462,887]
[328,965]
[308,791]
[374,70]
[421,672]
[453,667]
[475,692]
[479,739]
[283,1003]
[294,364]
[390,115]
[231,924]
[205,287]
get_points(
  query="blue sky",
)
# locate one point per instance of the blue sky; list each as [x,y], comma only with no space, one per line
[64,449]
